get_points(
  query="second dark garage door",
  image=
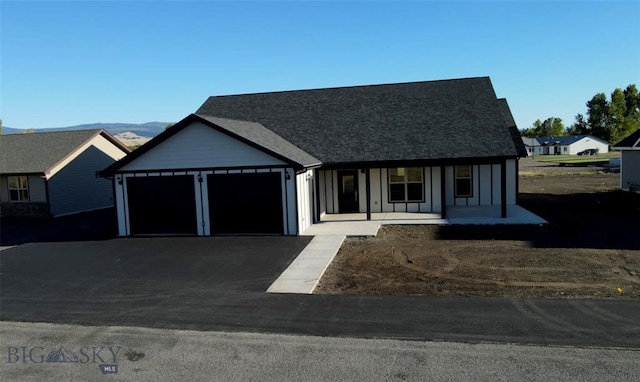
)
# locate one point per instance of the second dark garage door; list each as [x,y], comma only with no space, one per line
[245,203]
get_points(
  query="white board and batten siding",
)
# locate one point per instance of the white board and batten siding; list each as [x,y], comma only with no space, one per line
[305,202]
[486,185]
[379,178]
[201,150]
[328,187]
[630,169]
[200,146]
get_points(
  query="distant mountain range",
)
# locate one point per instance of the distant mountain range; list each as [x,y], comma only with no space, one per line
[148,130]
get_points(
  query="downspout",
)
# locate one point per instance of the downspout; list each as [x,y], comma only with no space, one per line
[517,180]
[316,194]
[503,188]
[367,183]
[443,193]
[46,191]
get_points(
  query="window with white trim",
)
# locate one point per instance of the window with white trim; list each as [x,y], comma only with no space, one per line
[18,189]
[405,184]
[464,183]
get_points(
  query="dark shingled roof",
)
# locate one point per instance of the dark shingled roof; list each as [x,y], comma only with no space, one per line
[513,129]
[632,141]
[251,133]
[566,140]
[38,152]
[261,136]
[445,119]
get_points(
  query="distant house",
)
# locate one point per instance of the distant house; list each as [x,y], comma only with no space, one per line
[568,145]
[630,162]
[54,173]
[276,163]
[532,145]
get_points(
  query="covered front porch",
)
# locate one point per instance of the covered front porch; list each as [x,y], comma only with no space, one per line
[421,192]
[356,224]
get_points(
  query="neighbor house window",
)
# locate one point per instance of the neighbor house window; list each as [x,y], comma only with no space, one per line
[18,189]
[564,149]
[463,182]
[405,184]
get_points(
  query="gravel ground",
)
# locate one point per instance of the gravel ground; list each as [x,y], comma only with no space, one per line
[529,166]
[589,249]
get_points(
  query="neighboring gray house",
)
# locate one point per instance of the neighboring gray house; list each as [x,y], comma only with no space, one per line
[630,162]
[532,145]
[275,163]
[54,173]
[568,145]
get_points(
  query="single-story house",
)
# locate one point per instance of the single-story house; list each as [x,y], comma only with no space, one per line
[275,163]
[630,162]
[54,173]
[569,145]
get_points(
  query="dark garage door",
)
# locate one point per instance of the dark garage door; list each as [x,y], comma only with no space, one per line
[245,203]
[162,205]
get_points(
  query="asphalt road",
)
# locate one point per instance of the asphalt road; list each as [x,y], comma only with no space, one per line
[218,284]
[140,354]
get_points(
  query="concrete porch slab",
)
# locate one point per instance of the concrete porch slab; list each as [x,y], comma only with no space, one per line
[491,215]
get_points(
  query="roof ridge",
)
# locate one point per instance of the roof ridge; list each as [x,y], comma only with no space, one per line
[350,87]
[205,116]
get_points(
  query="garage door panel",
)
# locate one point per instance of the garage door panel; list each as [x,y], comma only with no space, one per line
[162,205]
[245,203]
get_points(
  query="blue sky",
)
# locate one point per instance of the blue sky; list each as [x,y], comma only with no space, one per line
[67,63]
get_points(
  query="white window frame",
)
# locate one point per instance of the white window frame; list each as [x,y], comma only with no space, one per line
[406,183]
[20,189]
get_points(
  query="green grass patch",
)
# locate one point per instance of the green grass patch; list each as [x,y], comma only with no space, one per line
[600,158]
[559,172]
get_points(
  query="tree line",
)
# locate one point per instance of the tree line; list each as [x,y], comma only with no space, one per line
[610,119]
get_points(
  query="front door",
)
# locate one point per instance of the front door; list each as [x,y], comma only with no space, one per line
[348,191]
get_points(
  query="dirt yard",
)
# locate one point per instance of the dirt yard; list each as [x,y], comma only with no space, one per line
[589,249]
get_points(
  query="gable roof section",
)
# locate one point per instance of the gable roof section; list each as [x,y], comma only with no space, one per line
[445,119]
[513,129]
[251,133]
[566,140]
[632,142]
[260,136]
[37,153]
[531,142]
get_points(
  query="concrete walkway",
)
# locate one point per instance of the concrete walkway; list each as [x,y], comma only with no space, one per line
[305,271]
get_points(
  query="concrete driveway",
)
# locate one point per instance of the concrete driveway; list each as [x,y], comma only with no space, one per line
[218,284]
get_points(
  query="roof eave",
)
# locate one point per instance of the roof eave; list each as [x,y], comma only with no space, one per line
[112,169]
[416,162]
